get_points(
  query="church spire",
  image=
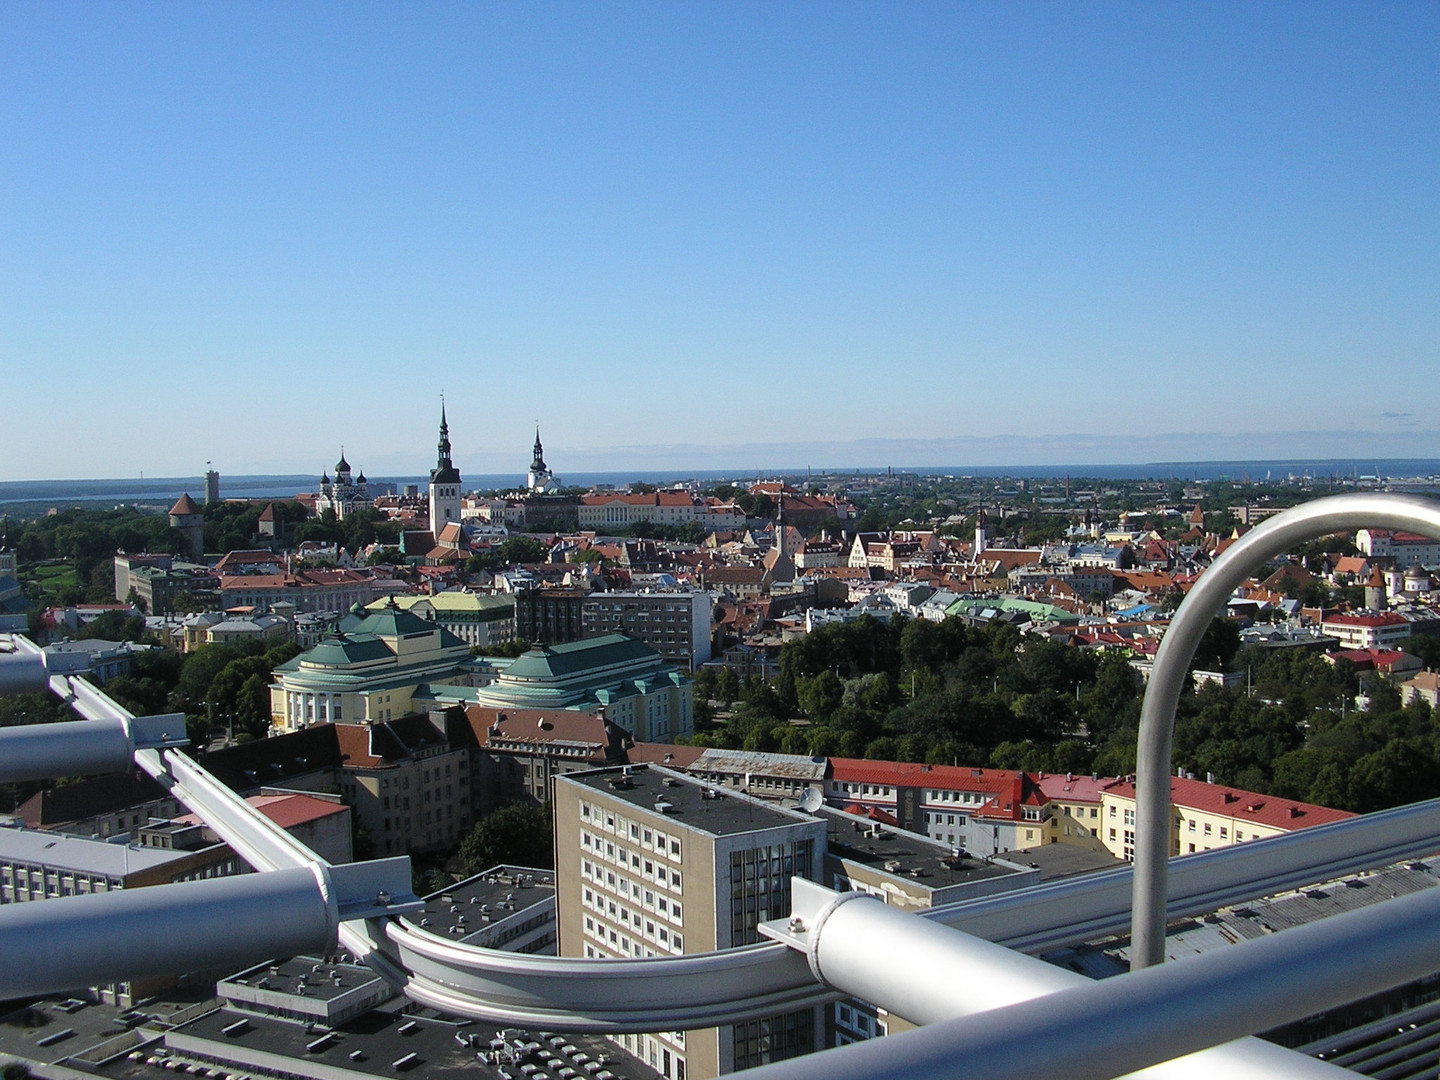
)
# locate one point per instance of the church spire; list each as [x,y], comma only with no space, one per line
[538,463]
[444,471]
[443,460]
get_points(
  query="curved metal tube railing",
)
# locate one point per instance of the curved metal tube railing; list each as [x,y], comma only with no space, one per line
[1208,598]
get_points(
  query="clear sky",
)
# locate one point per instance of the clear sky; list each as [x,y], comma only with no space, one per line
[714,235]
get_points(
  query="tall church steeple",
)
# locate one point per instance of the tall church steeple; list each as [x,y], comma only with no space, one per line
[540,479]
[444,482]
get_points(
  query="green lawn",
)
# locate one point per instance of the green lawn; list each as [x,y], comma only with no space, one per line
[53,576]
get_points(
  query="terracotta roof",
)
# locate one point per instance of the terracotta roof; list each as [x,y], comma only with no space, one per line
[1351,564]
[502,726]
[1242,805]
[1009,803]
[1068,787]
[287,811]
[914,774]
[1384,619]
[185,505]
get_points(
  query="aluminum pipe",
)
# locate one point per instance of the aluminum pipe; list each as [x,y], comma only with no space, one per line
[872,951]
[1208,598]
[72,748]
[23,673]
[230,922]
[1097,1030]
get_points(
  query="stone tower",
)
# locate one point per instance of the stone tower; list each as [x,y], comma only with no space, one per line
[444,483]
[187,516]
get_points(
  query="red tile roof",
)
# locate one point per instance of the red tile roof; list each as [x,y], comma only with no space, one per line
[1384,619]
[914,774]
[1241,805]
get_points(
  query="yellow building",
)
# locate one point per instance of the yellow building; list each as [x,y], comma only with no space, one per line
[369,671]
[1207,816]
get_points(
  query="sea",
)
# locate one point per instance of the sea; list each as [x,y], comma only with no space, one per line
[1422,474]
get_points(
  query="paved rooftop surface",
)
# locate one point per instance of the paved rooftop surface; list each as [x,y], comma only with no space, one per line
[500,892]
[689,803]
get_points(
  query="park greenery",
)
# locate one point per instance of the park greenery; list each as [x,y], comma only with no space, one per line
[947,693]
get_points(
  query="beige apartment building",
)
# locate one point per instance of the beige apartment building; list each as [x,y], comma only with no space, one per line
[1207,816]
[650,862]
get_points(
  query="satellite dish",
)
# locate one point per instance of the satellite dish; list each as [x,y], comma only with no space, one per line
[811,800]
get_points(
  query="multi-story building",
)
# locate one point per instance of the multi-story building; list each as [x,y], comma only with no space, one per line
[666,508]
[307,590]
[369,671]
[674,624]
[1207,816]
[408,780]
[906,871]
[549,616]
[478,620]
[650,862]
[981,811]
[519,751]
[510,908]
[1406,548]
[638,690]
[1367,630]
[38,866]
[156,580]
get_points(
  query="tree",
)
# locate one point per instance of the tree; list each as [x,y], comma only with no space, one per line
[523,549]
[820,695]
[1218,645]
[516,834]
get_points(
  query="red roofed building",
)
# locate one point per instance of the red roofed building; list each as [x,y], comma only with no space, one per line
[321,823]
[983,811]
[1406,548]
[1367,630]
[1385,661]
[187,516]
[520,750]
[1208,816]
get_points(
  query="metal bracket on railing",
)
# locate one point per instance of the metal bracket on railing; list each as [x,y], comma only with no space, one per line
[374,889]
[158,732]
[810,906]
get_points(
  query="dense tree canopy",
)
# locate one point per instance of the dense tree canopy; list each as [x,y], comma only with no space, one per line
[516,834]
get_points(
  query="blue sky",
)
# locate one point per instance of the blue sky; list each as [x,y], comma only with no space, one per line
[715,235]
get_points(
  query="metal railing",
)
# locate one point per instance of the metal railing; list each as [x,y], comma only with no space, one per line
[1206,599]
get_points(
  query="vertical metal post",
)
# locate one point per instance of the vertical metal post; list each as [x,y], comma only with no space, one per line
[1274,537]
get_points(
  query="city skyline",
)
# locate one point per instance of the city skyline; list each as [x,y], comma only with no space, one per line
[727,238]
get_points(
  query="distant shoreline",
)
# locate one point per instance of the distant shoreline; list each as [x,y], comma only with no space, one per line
[161,489]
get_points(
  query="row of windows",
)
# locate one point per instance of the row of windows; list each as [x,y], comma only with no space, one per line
[649,899]
[670,941]
[652,839]
[652,870]
[650,1048]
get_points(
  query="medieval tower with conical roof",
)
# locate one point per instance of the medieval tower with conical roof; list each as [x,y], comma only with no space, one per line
[187,516]
[444,483]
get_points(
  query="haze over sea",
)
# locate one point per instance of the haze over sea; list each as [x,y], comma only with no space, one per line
[165,490]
